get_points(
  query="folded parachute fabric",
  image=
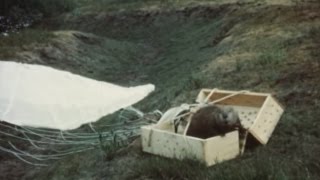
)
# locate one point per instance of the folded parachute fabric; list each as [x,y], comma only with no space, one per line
[40,96]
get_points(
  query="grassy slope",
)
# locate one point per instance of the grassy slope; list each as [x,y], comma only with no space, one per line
[270,48]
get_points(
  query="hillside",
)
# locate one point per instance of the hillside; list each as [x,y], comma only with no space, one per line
[181,47]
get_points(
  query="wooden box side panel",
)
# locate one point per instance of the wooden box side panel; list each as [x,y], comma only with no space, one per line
[171,145]
[219,149]
[248,99]
[267,120]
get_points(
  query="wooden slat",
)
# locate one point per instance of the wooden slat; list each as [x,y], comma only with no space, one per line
[232,92]
[222,148]
[248,99]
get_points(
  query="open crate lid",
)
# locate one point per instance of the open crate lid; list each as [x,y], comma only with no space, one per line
[258,112]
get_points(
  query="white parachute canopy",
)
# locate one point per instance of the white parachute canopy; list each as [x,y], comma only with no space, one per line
[39,96]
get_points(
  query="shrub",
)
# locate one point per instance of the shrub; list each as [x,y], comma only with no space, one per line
[51,7]
[47,7]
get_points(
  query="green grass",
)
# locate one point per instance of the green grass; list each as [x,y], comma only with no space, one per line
[179,53]
[52,7]
[18,41]
[85,6]
[128,5]
[271,57]
[46,7]
[261,166]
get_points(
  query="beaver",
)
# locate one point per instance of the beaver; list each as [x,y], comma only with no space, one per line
[212,120]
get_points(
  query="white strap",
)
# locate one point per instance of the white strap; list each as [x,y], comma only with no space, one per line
[209,95]
[229,96]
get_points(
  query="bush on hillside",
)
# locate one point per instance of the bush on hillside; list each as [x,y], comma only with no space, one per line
[46,7]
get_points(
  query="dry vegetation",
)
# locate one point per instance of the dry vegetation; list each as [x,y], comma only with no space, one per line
[270,46]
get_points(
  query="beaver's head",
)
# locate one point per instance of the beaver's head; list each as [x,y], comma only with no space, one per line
[228,117]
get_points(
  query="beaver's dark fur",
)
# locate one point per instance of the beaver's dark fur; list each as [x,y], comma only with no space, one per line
[211,120]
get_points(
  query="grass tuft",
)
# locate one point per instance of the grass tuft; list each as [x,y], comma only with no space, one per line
[16,42]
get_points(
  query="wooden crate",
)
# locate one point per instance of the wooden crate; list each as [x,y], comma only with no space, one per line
[258,112]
